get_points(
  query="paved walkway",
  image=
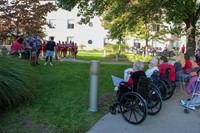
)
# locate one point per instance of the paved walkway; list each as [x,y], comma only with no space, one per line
[171,119]
[83,61]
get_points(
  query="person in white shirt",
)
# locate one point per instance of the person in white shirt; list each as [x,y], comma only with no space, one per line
[153,63]
[127,73]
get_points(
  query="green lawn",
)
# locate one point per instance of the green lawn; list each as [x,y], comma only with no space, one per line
[99,55]
[61,103]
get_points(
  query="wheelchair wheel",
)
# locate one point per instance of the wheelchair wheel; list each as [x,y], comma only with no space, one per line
[155,87]
[112,110]
[163,89]
[154,102]
[133,108]
[187,111]
[170,89]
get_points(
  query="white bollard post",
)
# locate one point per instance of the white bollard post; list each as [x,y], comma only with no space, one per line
[94,84]
[104,53]
[117,56]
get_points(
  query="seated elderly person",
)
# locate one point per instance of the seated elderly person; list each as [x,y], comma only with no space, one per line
[127,73]
[178,66]
[135,75]
[188,63]
[164,65]
[153,63]
[194,65]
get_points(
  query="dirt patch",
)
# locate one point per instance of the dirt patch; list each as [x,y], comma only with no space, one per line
[106,101]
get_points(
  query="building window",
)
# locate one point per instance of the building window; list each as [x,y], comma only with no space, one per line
[70,39]
[155,28]
[154,43]
[176,45]
[106,41]
[90,24]
[198,42]
[70,24]
[89,41]
[52,23]
[136,43]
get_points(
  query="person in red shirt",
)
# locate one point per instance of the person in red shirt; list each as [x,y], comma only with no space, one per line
[188,63]
[62,49]
[16,47]
[183,49]
[163,67]
[43,48]
[59,49]
[65,48]
[70,48]
[75,50]
[194,65]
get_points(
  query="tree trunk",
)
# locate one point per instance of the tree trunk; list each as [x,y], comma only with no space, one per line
[119,51]
[146,47]
[190,36]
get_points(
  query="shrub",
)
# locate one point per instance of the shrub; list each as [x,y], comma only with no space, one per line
[108,47]
[133,58]
[124,47]
[81,46]
[115,47]
[16,81]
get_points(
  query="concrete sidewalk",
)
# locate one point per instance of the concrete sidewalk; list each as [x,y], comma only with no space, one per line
[171,119]
[83,61]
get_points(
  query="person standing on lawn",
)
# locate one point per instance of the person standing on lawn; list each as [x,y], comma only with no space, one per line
[75,50]
[16,47]
[50,50]
[183,49]
[34,50]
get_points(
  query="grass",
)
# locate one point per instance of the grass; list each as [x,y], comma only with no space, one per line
[16,82]
[99,55]
[61,103]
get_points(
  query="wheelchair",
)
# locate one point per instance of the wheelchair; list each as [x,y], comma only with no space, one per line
[136,105]
[169,84]
[159,84]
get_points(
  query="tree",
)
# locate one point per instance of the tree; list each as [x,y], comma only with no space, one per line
[122,18]
[24,17]
[183,15]
[5,25]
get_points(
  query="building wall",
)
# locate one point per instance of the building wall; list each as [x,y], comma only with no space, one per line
[81,34]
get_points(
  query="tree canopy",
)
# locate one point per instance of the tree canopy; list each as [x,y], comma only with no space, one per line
[23,17]
[124,15]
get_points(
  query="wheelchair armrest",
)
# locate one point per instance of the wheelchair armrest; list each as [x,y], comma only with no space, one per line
[196,69]
[124,83]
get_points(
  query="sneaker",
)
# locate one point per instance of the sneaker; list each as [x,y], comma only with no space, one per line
[45,63]
[192,107]
[183,102]
[116,88]
[51,64]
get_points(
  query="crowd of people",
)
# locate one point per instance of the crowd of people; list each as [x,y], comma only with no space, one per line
[27,47]
[182,63]
[66,50]
[31,48]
